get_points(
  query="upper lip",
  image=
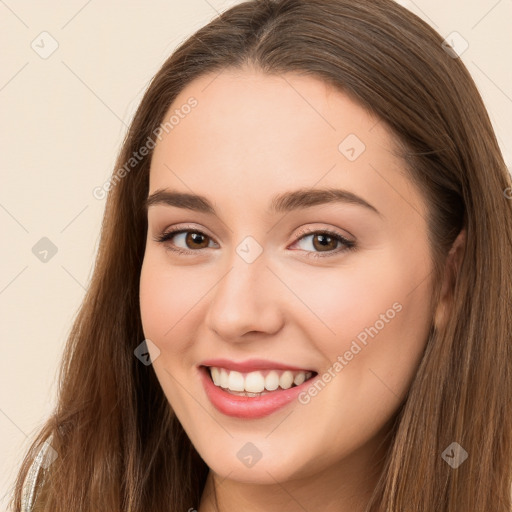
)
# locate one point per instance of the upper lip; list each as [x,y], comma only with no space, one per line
[251,365]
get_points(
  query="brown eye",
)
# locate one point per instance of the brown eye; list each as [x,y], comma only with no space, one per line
[324,242]
[192,240]
[196,240]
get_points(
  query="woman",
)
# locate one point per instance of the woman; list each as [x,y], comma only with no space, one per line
[342,343]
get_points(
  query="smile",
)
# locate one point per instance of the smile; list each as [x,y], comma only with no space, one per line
[254,394]
[257,383]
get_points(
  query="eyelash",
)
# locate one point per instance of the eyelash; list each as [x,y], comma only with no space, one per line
[349,244]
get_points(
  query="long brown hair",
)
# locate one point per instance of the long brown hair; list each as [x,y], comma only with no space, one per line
[119,445]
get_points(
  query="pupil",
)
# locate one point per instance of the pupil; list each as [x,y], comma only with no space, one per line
[196,238]
[323,241]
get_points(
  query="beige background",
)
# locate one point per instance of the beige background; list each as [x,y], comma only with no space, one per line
[63,120]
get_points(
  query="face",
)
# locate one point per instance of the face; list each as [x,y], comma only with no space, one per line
[336,287]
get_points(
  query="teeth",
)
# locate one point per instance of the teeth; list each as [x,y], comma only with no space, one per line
[236,381]
[255,383]
[215,373]
[286,380]
[299,379]
[272,381]
[223,380]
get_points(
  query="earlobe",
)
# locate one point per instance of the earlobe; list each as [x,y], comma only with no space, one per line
[451,270]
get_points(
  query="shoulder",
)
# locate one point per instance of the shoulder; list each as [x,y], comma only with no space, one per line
[42,461]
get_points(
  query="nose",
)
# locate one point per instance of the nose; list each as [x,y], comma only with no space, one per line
[247,299]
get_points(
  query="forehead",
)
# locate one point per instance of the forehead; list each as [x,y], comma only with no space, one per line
[252,134]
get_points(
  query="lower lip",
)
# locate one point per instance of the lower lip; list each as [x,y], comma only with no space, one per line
[245,406]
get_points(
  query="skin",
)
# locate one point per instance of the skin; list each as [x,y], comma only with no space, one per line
[250,137]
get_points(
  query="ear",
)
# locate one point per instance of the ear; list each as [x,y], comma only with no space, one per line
[451,269]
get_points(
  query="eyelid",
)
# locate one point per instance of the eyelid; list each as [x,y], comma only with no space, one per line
[179,229]
[348,245]
[167,233]
[333,231]
[302,231]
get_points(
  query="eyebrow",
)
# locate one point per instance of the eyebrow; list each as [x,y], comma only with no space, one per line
[281,203]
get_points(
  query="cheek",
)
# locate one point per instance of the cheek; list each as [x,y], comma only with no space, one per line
[375,316]
[166,297]
[165,300]
[381,328]
[354,296]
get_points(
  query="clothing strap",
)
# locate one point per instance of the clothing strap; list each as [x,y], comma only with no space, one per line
[43,459]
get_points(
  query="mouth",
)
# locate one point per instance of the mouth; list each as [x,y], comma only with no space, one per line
[256,383]
[253,388]
[237,400]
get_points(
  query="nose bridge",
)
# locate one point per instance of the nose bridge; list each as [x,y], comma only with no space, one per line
[244,299]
